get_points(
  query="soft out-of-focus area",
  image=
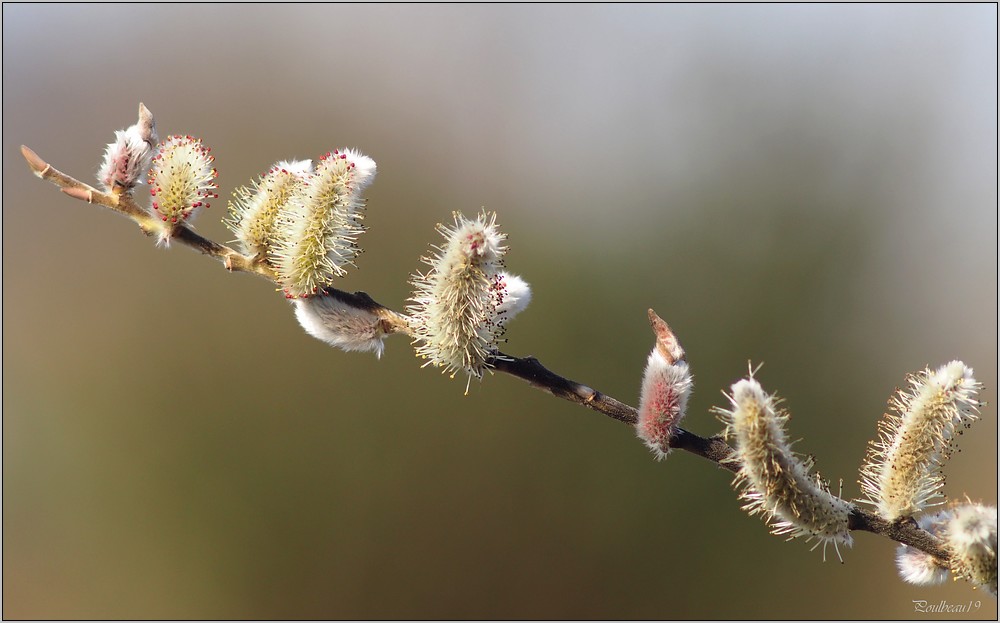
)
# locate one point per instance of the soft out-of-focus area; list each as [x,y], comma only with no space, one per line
[812,187]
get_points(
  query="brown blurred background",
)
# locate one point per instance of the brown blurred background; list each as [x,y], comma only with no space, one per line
[812,187]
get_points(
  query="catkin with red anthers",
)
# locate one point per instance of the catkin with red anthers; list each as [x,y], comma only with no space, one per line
[459,307]
[181,181]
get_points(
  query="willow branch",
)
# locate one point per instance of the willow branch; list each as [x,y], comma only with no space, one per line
[528,369]
[125,205]
[714,449]
[905,531]
[233,260]
[538,376]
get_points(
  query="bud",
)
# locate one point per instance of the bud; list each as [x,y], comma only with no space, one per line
[917,567]
[317,234]
[181,181]
[350,322]
[972,537]
[666,386]
[902,472]
[459,307]
[129,156]
[774,480]
[254,212]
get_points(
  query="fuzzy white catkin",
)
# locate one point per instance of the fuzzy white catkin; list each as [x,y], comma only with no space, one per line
[340,323]
[920,568]
[902,472]
[516,296]
[773,479]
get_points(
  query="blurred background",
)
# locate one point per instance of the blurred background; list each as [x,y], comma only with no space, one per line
[811,187]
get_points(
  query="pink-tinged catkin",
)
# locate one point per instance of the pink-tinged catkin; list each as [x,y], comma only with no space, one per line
[459,307]
[254,210]
[666,386]
[902,472]
[773,480]
[126,159]
[316,237]
[971,535]
[181,182]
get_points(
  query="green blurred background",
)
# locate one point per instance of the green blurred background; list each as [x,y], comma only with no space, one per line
[812,187]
